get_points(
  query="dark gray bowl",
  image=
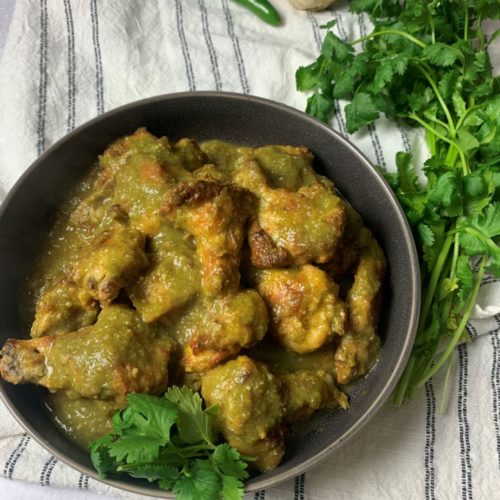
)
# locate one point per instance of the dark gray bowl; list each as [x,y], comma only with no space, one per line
[26,214]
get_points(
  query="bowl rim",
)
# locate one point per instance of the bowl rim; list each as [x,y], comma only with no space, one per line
[412,313]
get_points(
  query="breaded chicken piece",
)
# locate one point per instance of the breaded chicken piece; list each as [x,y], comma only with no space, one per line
[216,328]
[357,349]
[118,355]
[216,215]
[300,227]
[251,409]
[305,310]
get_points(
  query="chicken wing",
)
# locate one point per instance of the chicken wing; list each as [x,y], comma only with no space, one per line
[251,409]
[305,392]
[305,310]
[216,328]
[63,307]
[118,355]
[135,173]
[357,349]
[190,154]
[304,225]
[173,277]
[113,260]
[215,214]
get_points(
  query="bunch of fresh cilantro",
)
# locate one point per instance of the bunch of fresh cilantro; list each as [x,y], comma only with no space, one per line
[426,63]
[171,440]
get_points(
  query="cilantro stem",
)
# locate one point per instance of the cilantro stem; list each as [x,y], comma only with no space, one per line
[432,83]
[390,32]
[442,405]
[402,387]
[479,31]
[466,25]
[459,331]
[465,166]
[456,247]
[436,273]
[465,115]
[433,29]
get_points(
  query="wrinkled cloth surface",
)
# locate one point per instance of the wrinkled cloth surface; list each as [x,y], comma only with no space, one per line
[66,61]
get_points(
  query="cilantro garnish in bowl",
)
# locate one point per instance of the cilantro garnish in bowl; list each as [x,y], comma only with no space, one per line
[171,441]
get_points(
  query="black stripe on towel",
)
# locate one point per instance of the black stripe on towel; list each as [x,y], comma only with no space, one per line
[184,46]
[210,46]
[236,47]
[15,455]
[70,125]
[495,385]
[298,487]
[99,78]
[377,148]
[48,467]
[463,424]
[430,441]
[471,330]
[488,280]
[83,482]
[42,84]
[338,111]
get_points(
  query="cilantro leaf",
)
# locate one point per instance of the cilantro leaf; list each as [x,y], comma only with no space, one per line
[446,194]
[155,415]
[361,111]
[103,462]
[478,233]
[441,54]
[229,461]
[195,424]
[232,488]
[426,234]
[171,440]
[132,447]
[465,277]
[202,483]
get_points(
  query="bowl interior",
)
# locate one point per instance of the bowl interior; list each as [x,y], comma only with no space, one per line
[26,217]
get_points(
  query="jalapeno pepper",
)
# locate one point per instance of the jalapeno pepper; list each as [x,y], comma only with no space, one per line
[263,9]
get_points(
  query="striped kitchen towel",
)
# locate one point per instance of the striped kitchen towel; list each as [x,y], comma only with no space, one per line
[66,61]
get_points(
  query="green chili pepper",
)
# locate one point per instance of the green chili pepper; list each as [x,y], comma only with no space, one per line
[263,9]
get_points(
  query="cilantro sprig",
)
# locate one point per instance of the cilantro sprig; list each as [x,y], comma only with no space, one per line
[426,64]
[172,441]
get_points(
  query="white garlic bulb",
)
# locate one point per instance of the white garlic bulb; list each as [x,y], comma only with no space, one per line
[311,4]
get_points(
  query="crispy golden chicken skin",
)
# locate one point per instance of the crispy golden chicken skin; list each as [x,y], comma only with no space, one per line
[251,409]
[118,355]
[216,328]
[216,215]
[358,348]
[305,392]
[305,225]
[63,307]
[305,310]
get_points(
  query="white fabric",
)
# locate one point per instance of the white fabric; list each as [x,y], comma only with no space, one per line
[66,61]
